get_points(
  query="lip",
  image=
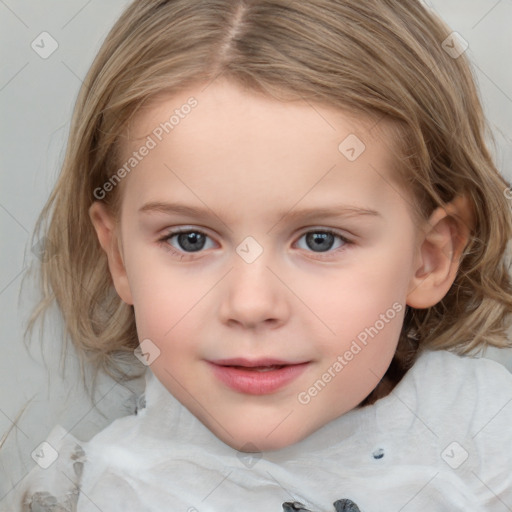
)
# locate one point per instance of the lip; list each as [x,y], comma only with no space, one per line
[251,363]
[238,374]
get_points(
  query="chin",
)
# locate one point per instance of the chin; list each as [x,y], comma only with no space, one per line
[256,438]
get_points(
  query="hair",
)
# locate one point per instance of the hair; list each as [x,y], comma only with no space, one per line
[379,59]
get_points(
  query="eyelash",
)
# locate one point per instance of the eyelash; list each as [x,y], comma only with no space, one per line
[164,242]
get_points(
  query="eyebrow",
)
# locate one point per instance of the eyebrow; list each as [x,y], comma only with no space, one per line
[304,213]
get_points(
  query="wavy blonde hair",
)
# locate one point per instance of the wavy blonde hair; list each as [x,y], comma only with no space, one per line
[383,59]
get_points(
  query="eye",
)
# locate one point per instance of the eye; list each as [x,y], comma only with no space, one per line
[188,241]
[322,241]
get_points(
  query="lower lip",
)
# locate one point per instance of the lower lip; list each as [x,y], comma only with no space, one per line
[253,382]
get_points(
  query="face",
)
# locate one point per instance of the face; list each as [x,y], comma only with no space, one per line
[268,256]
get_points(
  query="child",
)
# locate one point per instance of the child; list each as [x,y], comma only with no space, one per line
[215,148]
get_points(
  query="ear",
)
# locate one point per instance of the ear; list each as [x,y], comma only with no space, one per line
[106,230]
[446,234]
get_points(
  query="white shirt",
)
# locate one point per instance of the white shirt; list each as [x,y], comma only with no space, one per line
[441,441]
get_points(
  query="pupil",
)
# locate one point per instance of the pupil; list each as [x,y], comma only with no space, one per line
[193,241]
[319,240]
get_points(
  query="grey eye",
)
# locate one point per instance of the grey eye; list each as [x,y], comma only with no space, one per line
[191,240]
[320,241]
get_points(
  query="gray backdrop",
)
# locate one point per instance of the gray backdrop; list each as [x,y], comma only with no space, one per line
[37,93]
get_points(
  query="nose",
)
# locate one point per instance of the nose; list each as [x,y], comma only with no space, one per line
[253,295]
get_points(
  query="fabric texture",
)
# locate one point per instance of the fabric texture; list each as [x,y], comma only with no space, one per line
[441,441]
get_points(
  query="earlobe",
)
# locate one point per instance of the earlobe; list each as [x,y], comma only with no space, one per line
[446,234]
[107,233]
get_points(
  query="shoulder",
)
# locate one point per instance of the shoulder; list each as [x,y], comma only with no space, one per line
[466,405]
[54,481]
[445,377]
[448,387]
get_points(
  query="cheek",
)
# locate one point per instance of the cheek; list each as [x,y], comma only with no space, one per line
[156,301]
[355,297]
[163,306]
[364,312]
[168,306]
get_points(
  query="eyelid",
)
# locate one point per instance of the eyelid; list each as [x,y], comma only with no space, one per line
[346,235]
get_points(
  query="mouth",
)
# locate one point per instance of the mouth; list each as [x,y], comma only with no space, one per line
[256,377]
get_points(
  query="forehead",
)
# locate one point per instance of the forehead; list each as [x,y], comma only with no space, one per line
[223,105]
[223,138]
